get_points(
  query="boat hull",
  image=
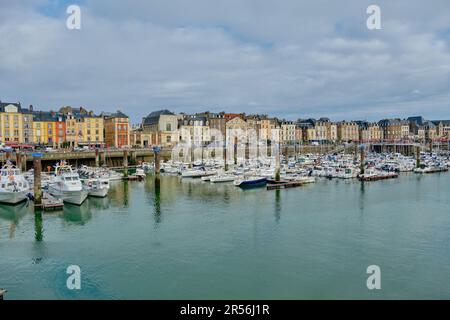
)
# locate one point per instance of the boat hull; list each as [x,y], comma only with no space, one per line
[72,197]
[248,184]
[13,197]
[98,193]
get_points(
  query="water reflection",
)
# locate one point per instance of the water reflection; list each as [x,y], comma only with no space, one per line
[13,214]
[119,193]
[361,200]
[277,205]
[77,214]
[99,203]
[38,226]
[157,201]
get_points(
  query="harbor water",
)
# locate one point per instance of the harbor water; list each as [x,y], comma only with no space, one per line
[196,240]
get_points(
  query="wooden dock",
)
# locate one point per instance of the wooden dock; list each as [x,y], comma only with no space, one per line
[277,185]
[50,203]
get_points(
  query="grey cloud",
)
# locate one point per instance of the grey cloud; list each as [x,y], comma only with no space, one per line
[293,59]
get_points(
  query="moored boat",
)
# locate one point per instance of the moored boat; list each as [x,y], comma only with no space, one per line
[13,185]
[67,185]
[250,182]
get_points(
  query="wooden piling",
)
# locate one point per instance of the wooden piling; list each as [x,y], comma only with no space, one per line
[235,150]
[362,164]
[157,163]
[225,155]
[18,160]
[24,162]
[277,162]
[103,158]
[97,158]
[125,163]
[417,156]
[37,166]
[133,159]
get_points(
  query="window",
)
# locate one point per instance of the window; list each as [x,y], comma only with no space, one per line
[168,139]
[168,127]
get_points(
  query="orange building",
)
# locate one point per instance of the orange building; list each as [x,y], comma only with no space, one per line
[117,129]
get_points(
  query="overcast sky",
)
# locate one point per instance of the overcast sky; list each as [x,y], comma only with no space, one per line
[288,58]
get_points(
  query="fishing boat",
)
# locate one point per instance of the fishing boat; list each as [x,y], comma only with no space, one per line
[250,182]
[13,185]
[67,185]
[97,187]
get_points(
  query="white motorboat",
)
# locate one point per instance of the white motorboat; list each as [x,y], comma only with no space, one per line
[222,178]
[97,187]
[13,185]
[140,173]
[67,185]
[198,173]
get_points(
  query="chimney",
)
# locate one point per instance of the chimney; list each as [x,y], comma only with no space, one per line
[31,107]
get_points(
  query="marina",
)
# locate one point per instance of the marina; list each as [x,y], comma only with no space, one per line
[187,238]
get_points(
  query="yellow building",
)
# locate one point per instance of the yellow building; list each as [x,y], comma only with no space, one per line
[15,123]
[48,128]
[348,131]
[82,127]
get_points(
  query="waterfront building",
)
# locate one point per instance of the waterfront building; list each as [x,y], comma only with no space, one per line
[287,132]
[348,131]
[139,138]
[236,128]
[195,129]
[395,129]
[48,128]
[81,127]
[116,129]
[16,123]
[163,127]
[442,128]
[217,124]
[268,127]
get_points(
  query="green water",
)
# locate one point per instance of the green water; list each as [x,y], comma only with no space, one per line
[194,240]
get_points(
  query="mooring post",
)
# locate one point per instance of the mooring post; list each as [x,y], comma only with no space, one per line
[18,160]
[156,151]
[7,155]
[37,166]
[417,156]
[103,158]
[225,164]
[362,164]
[24,162]
[97,158]
[192,156]
[235,150]
[125,163]
[133,158]
[277,161]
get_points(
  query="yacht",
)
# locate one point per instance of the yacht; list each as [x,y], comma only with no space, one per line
[14,188]
[67,185]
